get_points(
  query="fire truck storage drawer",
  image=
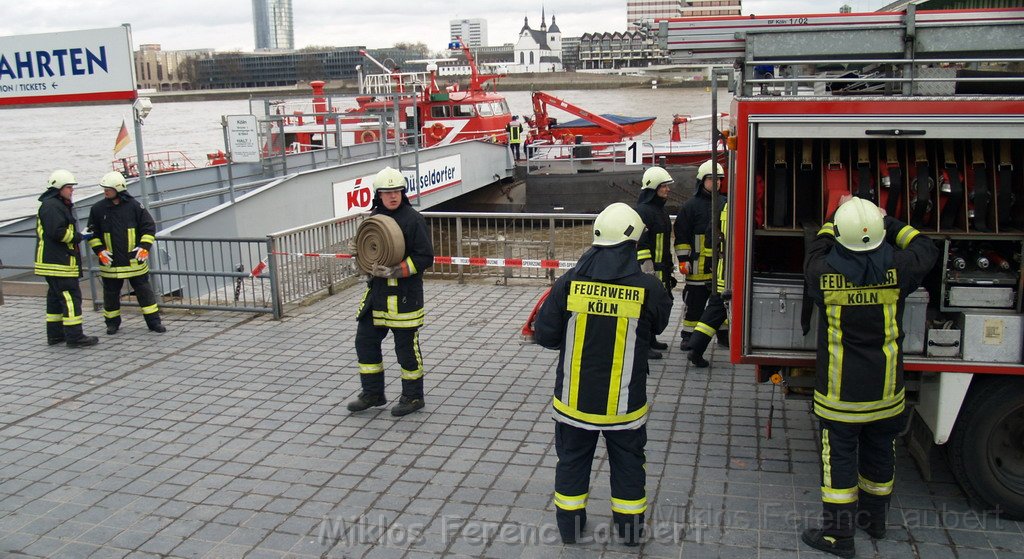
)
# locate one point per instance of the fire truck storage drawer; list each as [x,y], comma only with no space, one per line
[775,317]
[991,336]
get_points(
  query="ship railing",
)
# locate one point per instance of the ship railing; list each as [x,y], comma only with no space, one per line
[191,273]
[931,77]
[544,157]
[379,84]
[305,266]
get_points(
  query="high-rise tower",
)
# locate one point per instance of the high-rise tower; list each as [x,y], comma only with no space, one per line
[272,23]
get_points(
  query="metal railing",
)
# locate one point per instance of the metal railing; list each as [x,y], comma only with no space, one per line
[301,275]
[189,273]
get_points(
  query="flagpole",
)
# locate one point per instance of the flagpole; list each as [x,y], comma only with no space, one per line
[140,109]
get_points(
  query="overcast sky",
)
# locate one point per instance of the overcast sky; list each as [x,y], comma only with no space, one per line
[227,24]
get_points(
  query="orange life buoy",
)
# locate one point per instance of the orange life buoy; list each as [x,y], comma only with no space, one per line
[368,136]
[437,131]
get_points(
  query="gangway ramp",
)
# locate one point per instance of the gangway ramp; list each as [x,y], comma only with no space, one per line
[445,172]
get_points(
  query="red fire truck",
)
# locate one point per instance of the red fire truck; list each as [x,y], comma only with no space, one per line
[926,118]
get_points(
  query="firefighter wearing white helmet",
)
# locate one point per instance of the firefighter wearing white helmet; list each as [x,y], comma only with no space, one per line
[123,234]
[591,309]
[394,302]
[859,271]
[59,260]
[655,248]
[691,228]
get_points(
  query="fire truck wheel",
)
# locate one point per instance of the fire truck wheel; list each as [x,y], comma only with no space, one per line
[986,450]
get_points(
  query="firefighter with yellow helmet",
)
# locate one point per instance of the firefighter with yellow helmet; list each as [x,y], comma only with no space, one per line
[860,269]
[691,228]
[59,260]
[601,316]
[654,251]
[393,302]
[123,234]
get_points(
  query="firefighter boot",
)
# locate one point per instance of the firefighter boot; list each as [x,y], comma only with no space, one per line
[840,547]
[723,338]
[154,324]
[698,344]
[372,394]
[651,354]
[113,325]
[365,401]
[54,333]
[412,397]
[571,524]
[629,527]
[685,343]
[655,344]
[871,515]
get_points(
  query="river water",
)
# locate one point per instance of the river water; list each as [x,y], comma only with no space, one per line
[81,139]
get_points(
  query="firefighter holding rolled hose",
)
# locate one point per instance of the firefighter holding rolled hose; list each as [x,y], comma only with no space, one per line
[393,302]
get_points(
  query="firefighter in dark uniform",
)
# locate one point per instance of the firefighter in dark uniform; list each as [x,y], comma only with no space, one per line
[860,269]
[123,233]
[690,229]
[393,302]
[515,136]
[59,260]
[654,251]
[714,321]
[600,316]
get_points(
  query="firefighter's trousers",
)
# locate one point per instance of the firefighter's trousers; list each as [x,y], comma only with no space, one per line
[371,359]
[575,448]
[713,321]
[143,293]
[63,308]
[695,297]
[858,465]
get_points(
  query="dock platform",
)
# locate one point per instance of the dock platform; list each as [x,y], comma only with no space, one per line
[227,437]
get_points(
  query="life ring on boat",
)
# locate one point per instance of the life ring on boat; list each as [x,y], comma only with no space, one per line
[368,136]
[568,138]
[437,131]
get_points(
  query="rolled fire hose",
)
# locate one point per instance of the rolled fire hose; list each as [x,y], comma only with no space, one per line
[379,240]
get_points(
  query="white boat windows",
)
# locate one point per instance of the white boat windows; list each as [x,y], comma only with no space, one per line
[463,110]
[441,111]
[484,109]
[499,107]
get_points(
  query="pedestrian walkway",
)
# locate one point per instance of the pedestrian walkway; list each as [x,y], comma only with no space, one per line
[227,437]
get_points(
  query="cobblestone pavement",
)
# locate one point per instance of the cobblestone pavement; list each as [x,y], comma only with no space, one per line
[227,437]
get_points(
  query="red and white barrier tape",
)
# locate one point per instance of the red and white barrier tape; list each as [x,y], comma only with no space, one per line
[461,261]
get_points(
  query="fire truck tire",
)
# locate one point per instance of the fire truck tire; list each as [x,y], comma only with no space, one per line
[986,450]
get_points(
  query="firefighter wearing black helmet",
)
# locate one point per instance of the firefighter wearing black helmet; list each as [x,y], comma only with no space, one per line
[601,316]
[393,302]
[59,260]
[860,269]
[123,235]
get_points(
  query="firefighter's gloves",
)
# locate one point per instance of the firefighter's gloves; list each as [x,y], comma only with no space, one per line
[647,266]
[684,268]
[141,254]
[382,271]
[106,258]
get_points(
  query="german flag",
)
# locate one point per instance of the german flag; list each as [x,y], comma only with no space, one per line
[123,139]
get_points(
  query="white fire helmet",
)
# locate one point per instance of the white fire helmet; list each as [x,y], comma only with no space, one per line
[705,169]
[389,179]
[859,225]
[655,177]
[617,224]
[113,180]
[61,178]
